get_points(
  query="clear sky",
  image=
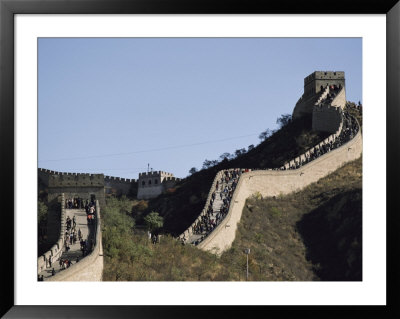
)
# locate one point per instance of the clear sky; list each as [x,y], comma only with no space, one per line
[114,105]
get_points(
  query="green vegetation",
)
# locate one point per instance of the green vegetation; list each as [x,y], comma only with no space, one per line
[314,234]
[154,222]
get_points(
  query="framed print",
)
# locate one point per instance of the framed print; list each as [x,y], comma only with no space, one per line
[182,158]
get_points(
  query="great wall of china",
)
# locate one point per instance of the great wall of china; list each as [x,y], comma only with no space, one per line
[89,268]
[291,177]
[270,183]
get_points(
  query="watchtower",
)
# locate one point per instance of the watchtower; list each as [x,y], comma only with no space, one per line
[315,86]
[85,186]
[152,184]
[318,80]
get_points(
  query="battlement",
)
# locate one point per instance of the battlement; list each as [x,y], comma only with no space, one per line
[152,184]
[76,179]
[319,80]
[318,87]
[155,174]
[84,176]
[176,179]
[119,179]
[324,75]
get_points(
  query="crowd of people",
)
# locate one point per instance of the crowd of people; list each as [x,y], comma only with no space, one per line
[356,106]
[227,184]
[71,234]
[349,130]
[213,217]
[90,209]
[75,202]
[333,91]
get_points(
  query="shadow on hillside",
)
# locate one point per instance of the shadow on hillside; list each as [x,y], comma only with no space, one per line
[332,234]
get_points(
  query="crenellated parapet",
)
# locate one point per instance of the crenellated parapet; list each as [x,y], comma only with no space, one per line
[113,179]
[153,184]
[321,87]
[76,179]
[271,182]
[76,183]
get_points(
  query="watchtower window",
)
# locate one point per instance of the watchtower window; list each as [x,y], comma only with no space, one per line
[149,181]
[155,181]
[143,183]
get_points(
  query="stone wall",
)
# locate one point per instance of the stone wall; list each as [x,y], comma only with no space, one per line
[318,79]
[305,105]
[340,99]
[56,250]
[77,191]
[153,184]
[312,90]
[326,118]
[273,183]
[188,231]
[83,184]
[89,268]
[118,185]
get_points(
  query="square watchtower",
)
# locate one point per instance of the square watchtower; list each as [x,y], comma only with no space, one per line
[318,80]
[152,184]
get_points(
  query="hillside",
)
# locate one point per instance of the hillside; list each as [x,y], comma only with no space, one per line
[314,234]
[180,207]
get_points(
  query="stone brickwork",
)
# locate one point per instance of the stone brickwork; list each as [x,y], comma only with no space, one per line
[273,183]
[326,118]
[56,250]
[153,184]
[84,185]
[318,80]
[283,181]
[118,185]
[89,268]
[315,86]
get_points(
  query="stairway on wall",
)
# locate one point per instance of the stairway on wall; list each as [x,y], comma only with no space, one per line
[216,207]
[318,149]
[74,251]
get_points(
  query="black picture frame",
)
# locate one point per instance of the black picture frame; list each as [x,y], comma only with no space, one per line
[8,8]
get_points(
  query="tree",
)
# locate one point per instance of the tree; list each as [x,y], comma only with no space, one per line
[207,164]
[213,162]
[240,152]
[225,155]
[154,221]
[192,170]
[283,120]
[250,147]
[264,135]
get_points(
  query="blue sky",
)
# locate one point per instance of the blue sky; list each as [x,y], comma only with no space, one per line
[114,105]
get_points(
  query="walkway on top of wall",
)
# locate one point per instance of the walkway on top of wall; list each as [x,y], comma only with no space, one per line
[74,251]
[216,207]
